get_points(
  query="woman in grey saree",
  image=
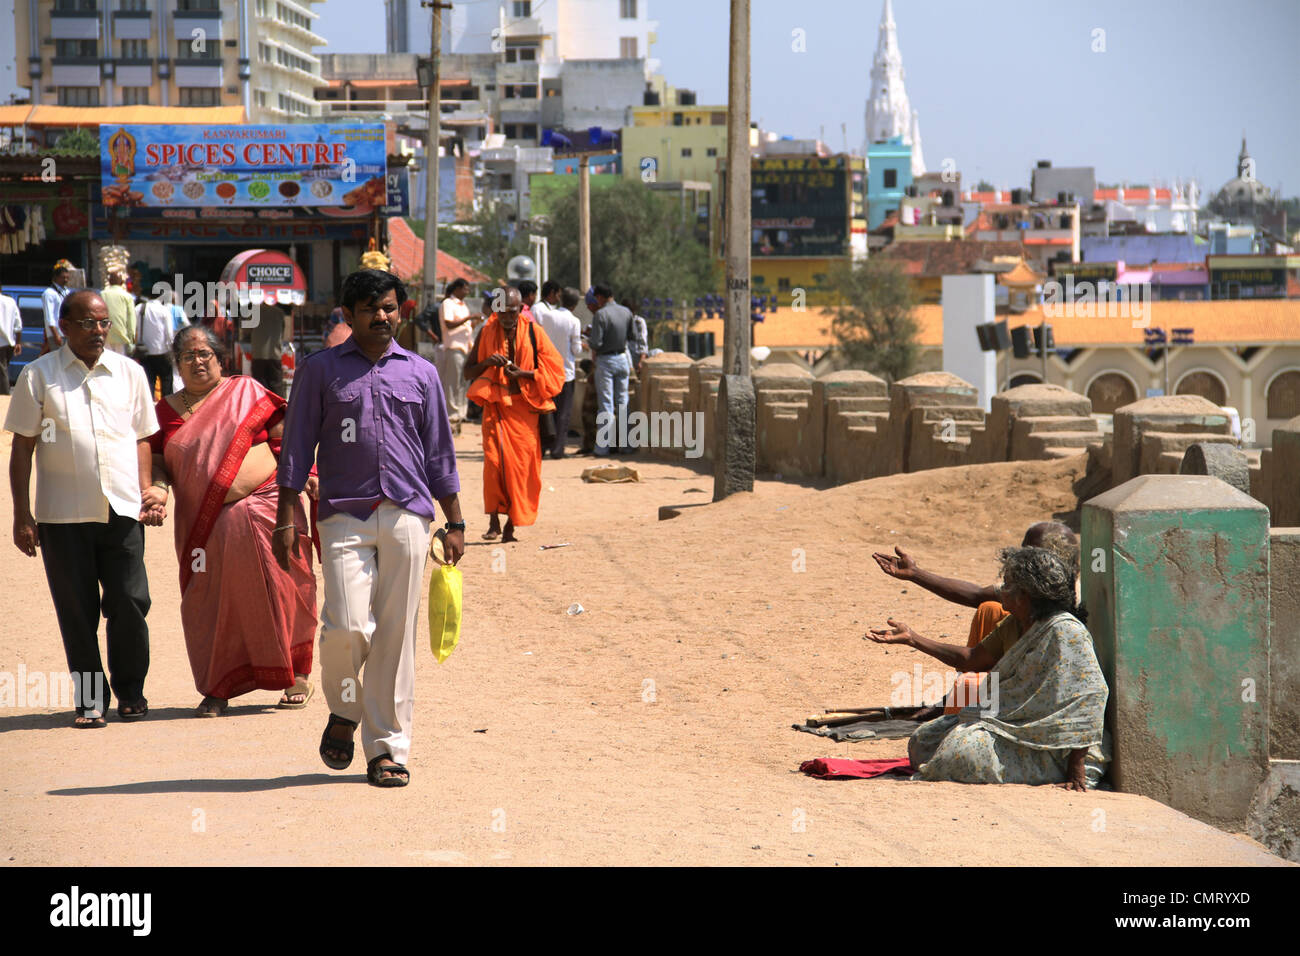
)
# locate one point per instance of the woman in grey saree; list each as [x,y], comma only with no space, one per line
[1044,715]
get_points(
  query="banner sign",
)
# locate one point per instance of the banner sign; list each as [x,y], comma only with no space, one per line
[309,164]
[399,192]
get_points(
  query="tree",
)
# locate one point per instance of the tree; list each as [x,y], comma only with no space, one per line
[641,244]
[874,323]
[984,186]
[482,237]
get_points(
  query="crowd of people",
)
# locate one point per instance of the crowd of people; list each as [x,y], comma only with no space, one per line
[368,435]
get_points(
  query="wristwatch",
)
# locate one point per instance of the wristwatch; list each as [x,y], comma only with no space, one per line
[455,526]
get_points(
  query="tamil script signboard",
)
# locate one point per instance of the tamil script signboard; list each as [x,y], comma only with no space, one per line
[800,206]
[311,164]
[399,192]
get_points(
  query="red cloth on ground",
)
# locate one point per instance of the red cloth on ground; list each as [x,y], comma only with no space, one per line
[836,768]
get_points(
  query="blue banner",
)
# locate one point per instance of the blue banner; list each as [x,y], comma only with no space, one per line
[399,192]
[309,164]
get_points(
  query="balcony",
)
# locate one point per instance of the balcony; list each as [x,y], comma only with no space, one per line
[132,25]
[74,70]
[514,73]
[200,72]
[134,72]
[207,20]
[74,24]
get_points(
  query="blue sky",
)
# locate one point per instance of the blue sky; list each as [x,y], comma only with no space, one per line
[1000,84]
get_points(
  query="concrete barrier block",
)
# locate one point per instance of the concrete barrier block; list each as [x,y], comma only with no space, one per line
[703,378]
[1275,816]
[1176,580]
[789,428]
[1223,461]
[1165,413]
[1284,643]
[1285,479]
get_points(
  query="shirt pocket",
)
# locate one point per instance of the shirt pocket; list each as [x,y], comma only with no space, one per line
[344,411]
[404,404]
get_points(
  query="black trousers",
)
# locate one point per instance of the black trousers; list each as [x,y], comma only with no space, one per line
[269,372]
[158,368]
[563,413]
[6,353]
[79,558]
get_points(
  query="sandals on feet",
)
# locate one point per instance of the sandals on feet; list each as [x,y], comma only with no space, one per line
[393,775]
[331,743]
[90,720]
[136,710]
[211,707]
[303,688]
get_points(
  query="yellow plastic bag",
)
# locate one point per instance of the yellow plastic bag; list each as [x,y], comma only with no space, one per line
[444,607]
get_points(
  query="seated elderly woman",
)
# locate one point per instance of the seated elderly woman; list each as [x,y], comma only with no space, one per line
[1044,722]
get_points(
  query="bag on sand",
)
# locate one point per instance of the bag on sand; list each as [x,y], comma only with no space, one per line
[444,605]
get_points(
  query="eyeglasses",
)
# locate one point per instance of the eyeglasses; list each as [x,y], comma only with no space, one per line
[91,324]
[201,356]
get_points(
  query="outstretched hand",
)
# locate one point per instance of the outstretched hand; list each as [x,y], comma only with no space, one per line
[896,633]
[902,567]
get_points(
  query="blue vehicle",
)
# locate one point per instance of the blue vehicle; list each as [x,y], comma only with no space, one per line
[28,298]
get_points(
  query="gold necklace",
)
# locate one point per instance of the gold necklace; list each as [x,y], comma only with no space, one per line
[185,398]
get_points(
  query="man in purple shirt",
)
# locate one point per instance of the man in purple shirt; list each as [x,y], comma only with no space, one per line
[371,416]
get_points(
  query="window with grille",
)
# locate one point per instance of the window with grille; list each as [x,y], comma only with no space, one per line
[686,152]
[79,96]
[711,151]
[627,9]
[185,50]
[138,6]
[522,9]
[135,96]
[199,96]
[627,48]
[76,6]
[891,178]
[79,48]
[521,54]
[135,49]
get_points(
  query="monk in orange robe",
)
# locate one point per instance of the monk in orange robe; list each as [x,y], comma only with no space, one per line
[514,373]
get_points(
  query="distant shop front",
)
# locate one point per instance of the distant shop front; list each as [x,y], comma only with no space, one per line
[187,200]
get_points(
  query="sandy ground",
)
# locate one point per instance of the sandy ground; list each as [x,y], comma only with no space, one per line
[652,729]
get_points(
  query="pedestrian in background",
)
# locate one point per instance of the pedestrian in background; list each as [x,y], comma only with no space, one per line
[454,325]
[52,301]
[121,311]
[565,332]
[11,336]
[154,321]
[274,326]
[611,331]
[86,415]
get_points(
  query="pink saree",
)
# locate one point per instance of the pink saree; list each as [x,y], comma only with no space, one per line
[248,624]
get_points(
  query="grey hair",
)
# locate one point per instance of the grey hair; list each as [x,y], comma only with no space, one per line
[1042,577]
[214,342]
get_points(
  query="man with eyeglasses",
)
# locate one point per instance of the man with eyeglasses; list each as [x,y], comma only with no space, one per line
[85,413]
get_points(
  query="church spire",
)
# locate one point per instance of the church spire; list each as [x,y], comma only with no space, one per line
[888,112]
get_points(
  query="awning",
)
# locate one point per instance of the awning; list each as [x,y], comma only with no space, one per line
[277,277]
[100,115]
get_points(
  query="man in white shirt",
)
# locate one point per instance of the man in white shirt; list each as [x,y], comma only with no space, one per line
[565,332]
[52,300]
[11,337]
[154,341]
[457,336]
[86,414]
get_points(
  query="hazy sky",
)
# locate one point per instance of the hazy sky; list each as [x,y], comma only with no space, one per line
[1000,84]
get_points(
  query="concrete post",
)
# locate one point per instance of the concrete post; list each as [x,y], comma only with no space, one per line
[733,454]
[1175,577]
[1284,644]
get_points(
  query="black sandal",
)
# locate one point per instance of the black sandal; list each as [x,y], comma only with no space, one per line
[139,710]
[333,743]
[394,775]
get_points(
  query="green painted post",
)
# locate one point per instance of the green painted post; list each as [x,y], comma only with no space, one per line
[1175,578]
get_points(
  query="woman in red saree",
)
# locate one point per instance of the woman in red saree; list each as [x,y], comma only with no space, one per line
[248,624]
[514,373]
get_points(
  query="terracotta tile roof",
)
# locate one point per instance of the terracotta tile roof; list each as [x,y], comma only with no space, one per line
[1235,322]
[406,249]
[940,258]
[1022,274]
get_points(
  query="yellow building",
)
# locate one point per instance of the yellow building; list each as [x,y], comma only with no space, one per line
[251,53]
[674,141]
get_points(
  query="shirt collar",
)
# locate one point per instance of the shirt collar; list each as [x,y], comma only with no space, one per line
[70,358]
[393,351]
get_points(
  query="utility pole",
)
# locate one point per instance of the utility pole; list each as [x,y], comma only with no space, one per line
[734,457]
[431,163]
[584,224]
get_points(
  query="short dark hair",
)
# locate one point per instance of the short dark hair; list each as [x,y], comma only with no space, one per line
[602,290]
[74,297]
[569,298]
[367,285]
[456,284]
[526,287]
[549,286]
[213,340]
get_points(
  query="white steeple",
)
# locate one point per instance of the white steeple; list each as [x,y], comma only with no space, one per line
[889,113]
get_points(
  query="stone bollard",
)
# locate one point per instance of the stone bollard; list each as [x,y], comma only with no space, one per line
[704,377]
[1148,429]
[1019,413]
[1217,461]
[1175,577]
[665,391]
[1284,481]
[1284,644]
[787,428]
[855,408]
[931,417]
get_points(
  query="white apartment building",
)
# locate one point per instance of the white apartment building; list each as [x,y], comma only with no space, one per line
[525,31]
[254,53]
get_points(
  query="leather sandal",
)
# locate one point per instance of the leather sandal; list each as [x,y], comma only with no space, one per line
[138,710]
[393,775]
[328,742]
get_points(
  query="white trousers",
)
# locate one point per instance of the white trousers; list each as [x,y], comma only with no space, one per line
[373,572]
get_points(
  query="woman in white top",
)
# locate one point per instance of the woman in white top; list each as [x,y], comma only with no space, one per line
[454,321]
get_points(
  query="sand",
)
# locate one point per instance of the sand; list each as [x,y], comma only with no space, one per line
[654,728]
